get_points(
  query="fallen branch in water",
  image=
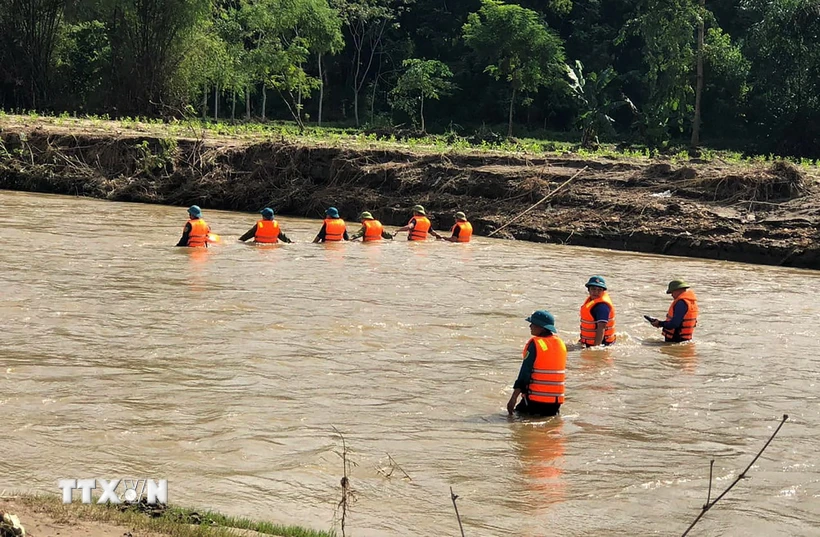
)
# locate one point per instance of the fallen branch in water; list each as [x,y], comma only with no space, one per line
[708,505]
[393,466]
[348,496]
[454,497]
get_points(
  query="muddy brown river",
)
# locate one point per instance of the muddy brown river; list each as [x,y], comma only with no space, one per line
[225,371]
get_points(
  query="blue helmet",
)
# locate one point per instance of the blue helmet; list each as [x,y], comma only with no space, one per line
[332,212]
[195,211]
[596,281]
[544,319]
[267,213]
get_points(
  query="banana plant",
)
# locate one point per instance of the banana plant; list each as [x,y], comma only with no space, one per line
[595,105]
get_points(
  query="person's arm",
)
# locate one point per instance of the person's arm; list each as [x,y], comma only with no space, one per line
[681,308]
[321,235]
[454,237]
[524,375]
[408,227]
[251,233]
[359,234]
[433,233]
[345,236]
[185,234]
[284,238]
[386,235]
[601,315]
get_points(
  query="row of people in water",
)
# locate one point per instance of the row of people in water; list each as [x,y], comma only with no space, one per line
[197,233]
[541,378]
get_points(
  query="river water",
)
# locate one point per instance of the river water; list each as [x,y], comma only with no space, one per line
[228,371]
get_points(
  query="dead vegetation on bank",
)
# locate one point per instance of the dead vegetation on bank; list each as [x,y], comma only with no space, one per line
[749,213]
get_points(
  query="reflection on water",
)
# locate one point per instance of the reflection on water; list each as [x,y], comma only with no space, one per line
[226,370]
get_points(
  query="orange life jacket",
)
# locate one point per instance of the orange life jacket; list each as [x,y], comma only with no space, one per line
[465,231]
[334,229]
[267,231]
[690,320]
[199,233]
[420,229]
[589,325]
[549,371]
[372,230]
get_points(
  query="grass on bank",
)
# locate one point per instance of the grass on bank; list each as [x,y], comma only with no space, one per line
[175,521]
[451,141]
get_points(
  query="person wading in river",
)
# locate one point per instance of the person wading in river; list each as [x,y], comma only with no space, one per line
[196,230]
[418,226]
[597,315]
[371,230]
[333,229]
[462,230]
[682,317]
[266,231]
[541,377]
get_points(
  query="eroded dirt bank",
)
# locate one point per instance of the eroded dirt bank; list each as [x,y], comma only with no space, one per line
[767,214]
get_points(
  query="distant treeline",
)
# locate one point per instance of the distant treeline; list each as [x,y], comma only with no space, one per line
[741,74]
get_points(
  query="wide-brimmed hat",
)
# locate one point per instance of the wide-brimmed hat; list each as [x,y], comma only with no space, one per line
[419,209]
[596,281]
[332,212]
[267,212]
[674,285]
[460,216]
[195,211]
[544,319]
[365,216]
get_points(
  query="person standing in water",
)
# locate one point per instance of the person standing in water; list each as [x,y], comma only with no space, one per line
[682,317]
[266,231]
[333,228]
[462,230]
[196,230]
[419,226]
[541,377]
[371,230]
[597,315]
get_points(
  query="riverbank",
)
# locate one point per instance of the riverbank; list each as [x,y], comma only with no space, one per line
[765,213]
[47,516]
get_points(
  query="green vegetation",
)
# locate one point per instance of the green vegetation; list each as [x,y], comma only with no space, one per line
[176,521]
[536,142]
[743,76]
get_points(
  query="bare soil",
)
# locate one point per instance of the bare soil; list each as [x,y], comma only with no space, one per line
[766,214]
[42,521]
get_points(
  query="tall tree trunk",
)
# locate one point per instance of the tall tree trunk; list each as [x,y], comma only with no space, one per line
[216,101]
[204,101]
[233,105]
[356,106]
[695,142]
[512,104]
[248,103]
[264,100]
[321,90]
[421,112]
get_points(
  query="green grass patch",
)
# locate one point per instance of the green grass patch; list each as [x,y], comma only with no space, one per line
[175,521]
[482,141]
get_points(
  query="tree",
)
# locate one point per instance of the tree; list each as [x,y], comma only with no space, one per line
[518,46]
[421,79]
[595,105]
[784,49]
[366,21]
[28,36]
[148,43]
[667,29]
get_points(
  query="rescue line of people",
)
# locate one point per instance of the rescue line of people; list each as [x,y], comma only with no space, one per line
[540,387]
[197,233]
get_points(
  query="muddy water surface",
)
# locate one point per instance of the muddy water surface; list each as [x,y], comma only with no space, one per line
[226,370]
